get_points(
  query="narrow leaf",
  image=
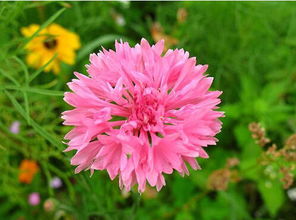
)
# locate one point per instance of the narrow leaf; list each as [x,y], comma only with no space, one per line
[36,126]
[35,90]
[96,43]
[25,69]
[44,25]
[37,72]
[9,77]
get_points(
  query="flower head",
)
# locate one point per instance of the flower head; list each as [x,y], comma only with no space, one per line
[34,199]
[28,169]
[140,115]
[15,127]
[50,205]
[292,194]
[52,40]
[55,182]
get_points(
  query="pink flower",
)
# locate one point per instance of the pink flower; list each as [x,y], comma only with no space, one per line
[34,199]
[55,182]
[140,115]
[15,127]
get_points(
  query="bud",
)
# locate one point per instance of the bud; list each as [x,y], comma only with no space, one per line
[182,15]
[287,178]
[231,162]
[50,205]
[219,179]
[56,182]
[258,133]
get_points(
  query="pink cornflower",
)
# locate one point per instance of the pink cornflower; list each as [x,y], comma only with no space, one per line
[140,115]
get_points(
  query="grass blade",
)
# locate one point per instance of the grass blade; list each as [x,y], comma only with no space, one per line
[44,25]
[36,126]
[35,90]
[37,72]
[16,104]
[25,69]
[88,48]
[9,77]
[46,92]
[46,135]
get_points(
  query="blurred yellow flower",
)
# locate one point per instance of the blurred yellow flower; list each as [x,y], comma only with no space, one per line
[52,40]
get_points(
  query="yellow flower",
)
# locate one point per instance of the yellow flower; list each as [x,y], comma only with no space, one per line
[50,41]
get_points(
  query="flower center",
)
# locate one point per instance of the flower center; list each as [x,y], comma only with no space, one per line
[50,43]
[146,111]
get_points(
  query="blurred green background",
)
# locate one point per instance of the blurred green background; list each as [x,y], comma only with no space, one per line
[251,51]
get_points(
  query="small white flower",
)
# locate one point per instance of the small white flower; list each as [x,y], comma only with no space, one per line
[120,20]
[292,194]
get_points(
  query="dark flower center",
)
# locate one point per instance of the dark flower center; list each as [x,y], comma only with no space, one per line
[50,43]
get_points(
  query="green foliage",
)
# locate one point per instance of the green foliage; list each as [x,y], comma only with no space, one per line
[250,49]
[272,194]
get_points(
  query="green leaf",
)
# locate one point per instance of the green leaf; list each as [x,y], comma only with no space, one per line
[184,215]
[272,194]
[181,185]
[242,135]
[232,110]
[250,152]
[237,203]
[272,92]
[249,89]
